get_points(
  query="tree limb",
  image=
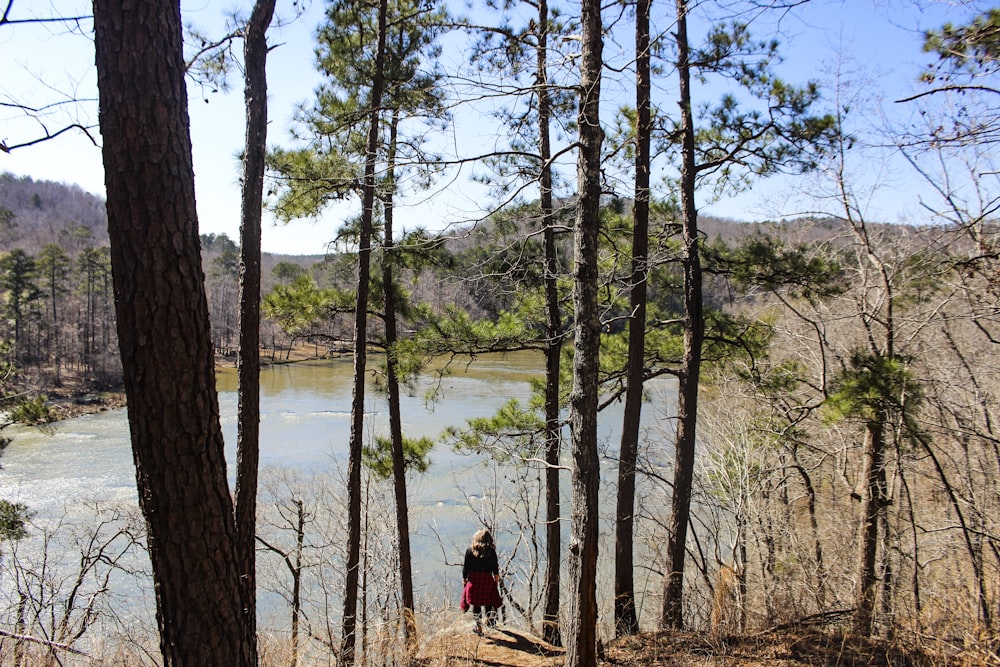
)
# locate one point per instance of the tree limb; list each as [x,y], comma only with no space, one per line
[43,642]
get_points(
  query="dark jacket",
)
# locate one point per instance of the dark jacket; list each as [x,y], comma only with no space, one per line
[479,574]
[486,563]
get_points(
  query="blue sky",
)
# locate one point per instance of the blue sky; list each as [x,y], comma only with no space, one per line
[45,64]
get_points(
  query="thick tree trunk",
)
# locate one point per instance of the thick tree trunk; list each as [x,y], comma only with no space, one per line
[163,333]
[626,618]
[553,348]
[581,636]
[672,615]
[248,357]
[349,629]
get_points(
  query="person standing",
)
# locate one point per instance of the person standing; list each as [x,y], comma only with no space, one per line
[481,574]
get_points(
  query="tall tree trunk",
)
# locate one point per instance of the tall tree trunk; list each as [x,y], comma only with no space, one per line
[395,414]
[248,356]
[874,491]
[582,630]
[553,348]
[163,333]
[347,652]
[872,502]
[694,333]
[300,536]
[626,619]
[820,575]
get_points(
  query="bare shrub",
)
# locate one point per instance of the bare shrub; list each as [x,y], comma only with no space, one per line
[72,579]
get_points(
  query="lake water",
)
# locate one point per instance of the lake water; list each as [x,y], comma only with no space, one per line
[305,422]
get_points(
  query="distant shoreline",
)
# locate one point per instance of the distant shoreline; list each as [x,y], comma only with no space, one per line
[69,404]
[78,405]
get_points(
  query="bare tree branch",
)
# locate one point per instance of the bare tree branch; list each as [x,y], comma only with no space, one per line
[43,642]
[952,88]
[85,129]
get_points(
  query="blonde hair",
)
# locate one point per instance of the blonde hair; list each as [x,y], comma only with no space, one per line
[482,542]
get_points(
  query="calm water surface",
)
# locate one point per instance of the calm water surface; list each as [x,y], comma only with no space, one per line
[305,422]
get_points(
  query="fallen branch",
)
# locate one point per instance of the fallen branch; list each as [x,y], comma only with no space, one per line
[821,618]
[43,642]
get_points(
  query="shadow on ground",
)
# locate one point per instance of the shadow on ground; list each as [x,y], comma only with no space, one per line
[458,646]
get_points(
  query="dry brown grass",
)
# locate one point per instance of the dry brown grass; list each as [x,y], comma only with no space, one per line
[458,646]
[784,648]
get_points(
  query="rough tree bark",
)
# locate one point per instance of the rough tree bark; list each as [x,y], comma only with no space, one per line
[393,393]
[553,347]
[872,503]
[163,333]
[581,635]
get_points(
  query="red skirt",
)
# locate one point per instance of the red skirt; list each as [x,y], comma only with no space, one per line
[480,591]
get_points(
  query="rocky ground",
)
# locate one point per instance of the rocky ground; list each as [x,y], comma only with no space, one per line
[68,406]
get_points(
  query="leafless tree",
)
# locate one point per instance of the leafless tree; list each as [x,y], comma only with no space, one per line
[65,579]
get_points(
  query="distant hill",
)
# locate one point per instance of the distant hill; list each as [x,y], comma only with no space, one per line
[35,213]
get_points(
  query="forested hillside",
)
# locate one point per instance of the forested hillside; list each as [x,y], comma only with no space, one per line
[36,213]
[58,292]
[56,285]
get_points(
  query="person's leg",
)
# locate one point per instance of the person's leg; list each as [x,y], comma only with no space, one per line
[491,617]
[477,614]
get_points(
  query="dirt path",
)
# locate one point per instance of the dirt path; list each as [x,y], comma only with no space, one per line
[504,646]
